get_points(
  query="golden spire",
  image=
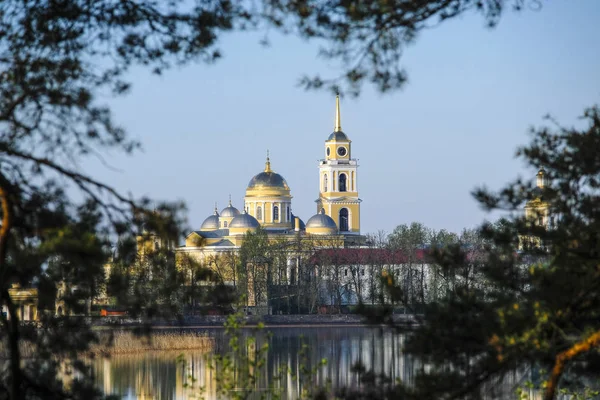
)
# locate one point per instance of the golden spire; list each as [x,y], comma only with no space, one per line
[338,118]
[268,163]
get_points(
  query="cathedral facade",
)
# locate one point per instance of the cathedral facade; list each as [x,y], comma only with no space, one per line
[268,205]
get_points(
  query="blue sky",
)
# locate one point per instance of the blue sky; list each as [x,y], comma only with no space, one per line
[472,95]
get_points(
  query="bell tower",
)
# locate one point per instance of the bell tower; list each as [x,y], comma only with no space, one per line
[338,190]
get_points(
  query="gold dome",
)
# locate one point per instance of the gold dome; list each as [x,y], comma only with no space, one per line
[268,183]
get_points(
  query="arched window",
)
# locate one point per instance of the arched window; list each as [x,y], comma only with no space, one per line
[342,183]
[344,220]
[224,224]
[275,213]
[288,213]
[258,213]
[325,182]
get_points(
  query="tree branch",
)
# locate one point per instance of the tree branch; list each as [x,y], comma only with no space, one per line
[565,356]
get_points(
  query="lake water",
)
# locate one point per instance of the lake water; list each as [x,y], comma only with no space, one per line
[160,375]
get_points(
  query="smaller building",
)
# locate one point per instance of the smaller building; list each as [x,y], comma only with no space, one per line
[26,302]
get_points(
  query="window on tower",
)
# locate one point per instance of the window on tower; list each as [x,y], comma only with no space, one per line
[224,224]
[288,213]
[275,213]
[342,183]
[259,213]
[344,220]
[325,182]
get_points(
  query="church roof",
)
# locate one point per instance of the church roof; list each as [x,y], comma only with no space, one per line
[213,234]
[345,256]
[370,256]
[222,243]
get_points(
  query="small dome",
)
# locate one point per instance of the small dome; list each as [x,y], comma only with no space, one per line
[230,212]
[321,223]
[211,222]
[244,220]
[338,136]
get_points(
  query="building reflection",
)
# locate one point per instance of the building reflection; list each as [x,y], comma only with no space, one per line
[167,375]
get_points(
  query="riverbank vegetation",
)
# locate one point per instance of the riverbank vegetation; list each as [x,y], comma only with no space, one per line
[126,342]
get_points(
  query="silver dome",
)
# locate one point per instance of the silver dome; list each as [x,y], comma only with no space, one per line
[321,220]
[211,222]
[338,136]
[230,211]
[244,220]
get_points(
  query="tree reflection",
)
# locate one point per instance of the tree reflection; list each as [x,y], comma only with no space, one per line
[159,375]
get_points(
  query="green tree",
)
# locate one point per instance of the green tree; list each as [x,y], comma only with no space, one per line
[411,240]
[255,264]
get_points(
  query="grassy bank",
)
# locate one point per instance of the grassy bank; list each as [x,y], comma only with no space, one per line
[125,342]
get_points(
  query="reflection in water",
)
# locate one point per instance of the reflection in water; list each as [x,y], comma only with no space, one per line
[159,375]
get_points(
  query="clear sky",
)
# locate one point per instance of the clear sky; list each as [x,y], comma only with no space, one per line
[472,95]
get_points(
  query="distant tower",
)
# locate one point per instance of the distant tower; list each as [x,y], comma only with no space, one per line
[538,209]
[338,190]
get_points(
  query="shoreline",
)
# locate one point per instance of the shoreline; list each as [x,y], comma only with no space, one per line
[248,326]
[253,321]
